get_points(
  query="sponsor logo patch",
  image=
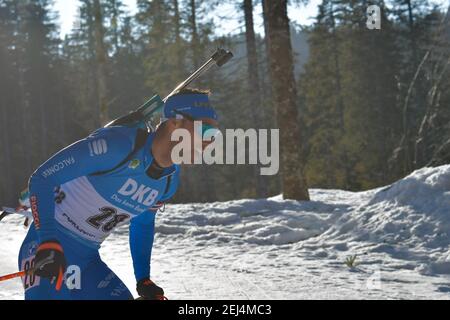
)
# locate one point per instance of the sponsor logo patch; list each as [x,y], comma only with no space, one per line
[134,164]
[31,250]
[119,290]
[139,192]
[35,212]
[98,147]
[104,283]
[58,166]
[77,227]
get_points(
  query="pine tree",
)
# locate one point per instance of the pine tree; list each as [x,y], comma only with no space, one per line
[9,92]
[324,112]
[350,92]
[285,99]
[30,105]
[412,93]
[81,67]
[369,93]
[162,55]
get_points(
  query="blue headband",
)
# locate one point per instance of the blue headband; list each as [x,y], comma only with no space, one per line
[196,105]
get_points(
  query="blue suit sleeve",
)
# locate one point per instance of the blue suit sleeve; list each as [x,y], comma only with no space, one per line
[142,232]
[102,150]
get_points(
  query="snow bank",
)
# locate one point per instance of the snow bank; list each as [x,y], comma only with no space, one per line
[408,220]
[427,190]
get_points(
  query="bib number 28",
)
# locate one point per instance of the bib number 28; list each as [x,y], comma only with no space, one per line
[30,280]
[107,219]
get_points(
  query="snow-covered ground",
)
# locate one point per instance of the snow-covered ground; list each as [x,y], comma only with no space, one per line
[278,249]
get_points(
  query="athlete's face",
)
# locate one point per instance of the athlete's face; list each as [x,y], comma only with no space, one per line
[194,127]
[196,133]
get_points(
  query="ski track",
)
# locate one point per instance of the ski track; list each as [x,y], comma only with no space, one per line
[281,249]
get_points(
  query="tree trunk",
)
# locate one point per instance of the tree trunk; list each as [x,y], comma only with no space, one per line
[115,25]
[285,98]
[253,86]
[101,56]
[195,39]
[178,41]
[412,31]
[266,27]
[269,117]
[252,58]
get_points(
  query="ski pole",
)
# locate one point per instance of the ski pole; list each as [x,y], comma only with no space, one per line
[6,211]
[3,214]
[13,275]
[9,211]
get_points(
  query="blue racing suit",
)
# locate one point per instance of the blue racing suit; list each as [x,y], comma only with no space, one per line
[76,199]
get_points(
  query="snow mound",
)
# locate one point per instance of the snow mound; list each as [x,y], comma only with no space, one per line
[262,222]
[408,220]
[427,190]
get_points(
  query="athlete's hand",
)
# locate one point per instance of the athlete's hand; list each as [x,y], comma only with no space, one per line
[148,290]
[50,261]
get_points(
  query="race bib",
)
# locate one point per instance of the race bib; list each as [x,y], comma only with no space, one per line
[29,281]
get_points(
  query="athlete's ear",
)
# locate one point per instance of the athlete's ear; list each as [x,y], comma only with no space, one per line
[173,124]
[170,123]
[177,123]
